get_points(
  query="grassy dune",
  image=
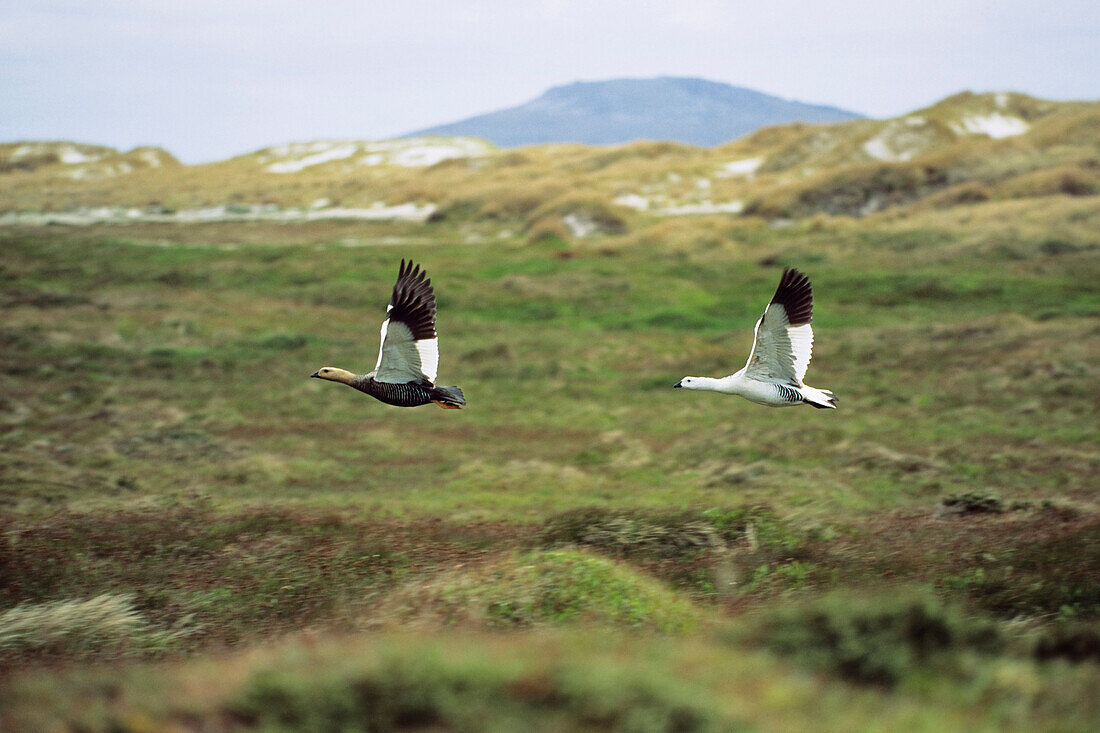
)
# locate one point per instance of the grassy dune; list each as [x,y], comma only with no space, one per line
[583,547]
[968,148]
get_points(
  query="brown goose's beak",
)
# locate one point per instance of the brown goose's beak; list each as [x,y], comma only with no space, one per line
[315,374]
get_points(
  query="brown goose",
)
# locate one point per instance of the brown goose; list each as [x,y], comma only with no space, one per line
[408,356]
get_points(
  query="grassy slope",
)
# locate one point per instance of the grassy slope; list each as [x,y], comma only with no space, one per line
[160,436]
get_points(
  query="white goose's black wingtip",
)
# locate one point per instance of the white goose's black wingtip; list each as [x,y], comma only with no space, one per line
[796,296]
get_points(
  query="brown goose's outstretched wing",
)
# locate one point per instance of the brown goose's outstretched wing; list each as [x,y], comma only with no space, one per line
[409,350]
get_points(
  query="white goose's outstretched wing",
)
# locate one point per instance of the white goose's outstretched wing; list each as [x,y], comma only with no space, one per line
[783,339]
[409,351]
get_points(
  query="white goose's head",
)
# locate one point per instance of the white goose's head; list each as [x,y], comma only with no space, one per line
[689,383]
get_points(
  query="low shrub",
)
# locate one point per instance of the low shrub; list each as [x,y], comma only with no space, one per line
[1047,577]
[472,692]
[874,639]
[973,502]
[1076,641]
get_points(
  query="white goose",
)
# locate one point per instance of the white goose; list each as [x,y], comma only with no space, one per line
[780,353]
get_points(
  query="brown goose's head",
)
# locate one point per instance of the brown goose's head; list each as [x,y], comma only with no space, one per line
[334,374]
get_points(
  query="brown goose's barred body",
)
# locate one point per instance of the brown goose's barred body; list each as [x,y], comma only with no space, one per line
[410,394]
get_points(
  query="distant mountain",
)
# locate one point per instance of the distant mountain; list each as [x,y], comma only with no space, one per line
[688,110]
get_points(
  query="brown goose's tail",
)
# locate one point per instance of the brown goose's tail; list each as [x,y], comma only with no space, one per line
[449,398]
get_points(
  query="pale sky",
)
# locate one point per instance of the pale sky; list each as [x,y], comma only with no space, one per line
[208,79]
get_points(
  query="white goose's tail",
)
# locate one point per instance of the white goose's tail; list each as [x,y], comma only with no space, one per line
[820,398]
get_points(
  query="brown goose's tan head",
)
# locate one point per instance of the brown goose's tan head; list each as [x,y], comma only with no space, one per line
[334,374]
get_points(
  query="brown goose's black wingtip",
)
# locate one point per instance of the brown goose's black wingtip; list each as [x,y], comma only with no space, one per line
[409,271]
[792,275]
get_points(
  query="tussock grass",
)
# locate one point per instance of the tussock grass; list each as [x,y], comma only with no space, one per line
[655,534]
[628,533]
[108,623]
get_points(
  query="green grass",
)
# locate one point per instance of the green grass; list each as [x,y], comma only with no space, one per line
[160,441]
[559,354]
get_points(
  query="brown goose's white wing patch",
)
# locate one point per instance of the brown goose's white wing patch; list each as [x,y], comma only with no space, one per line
[783,339]
[409,349]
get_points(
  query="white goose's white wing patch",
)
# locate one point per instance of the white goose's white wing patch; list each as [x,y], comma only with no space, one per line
[781,352]
[802,346]
[401,358]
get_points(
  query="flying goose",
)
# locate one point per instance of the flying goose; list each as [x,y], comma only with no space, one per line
[408,356]
[780,353]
